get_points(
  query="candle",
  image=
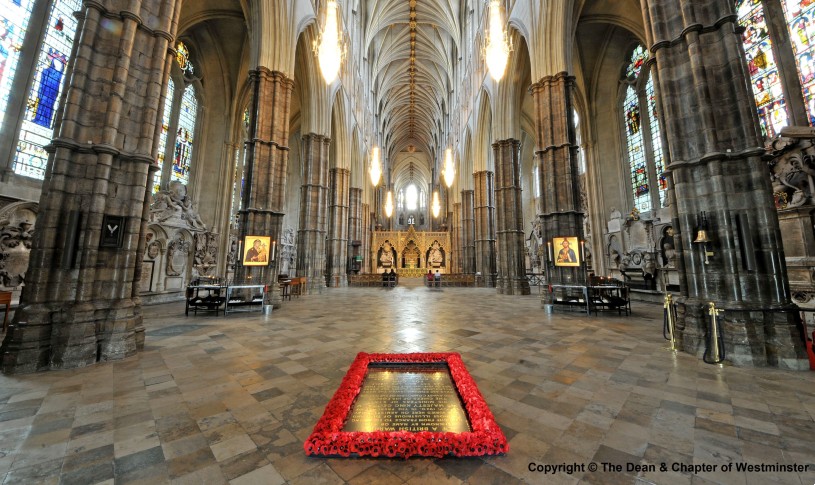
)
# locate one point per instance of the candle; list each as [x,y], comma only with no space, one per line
[583,249]
[274,246]
[551,255]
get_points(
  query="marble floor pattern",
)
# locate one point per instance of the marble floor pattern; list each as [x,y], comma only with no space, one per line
[231,399]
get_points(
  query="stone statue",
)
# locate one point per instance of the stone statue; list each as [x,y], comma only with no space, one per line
[153,249]
[386,258]
[172,207]
[206,253]
[615,257]
[435,258]
[625,263]
[649,266]
[16,238]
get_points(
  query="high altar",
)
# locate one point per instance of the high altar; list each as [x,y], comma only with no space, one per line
[411,253]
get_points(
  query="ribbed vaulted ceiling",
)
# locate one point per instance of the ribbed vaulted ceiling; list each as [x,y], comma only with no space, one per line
[410,44]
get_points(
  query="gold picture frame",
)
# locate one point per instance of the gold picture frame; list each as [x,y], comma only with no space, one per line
[567,251]
[256,250]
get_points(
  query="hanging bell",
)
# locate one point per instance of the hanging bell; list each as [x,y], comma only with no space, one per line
[701,237]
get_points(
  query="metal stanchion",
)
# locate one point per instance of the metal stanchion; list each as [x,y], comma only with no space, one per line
[714,353]
[669,328]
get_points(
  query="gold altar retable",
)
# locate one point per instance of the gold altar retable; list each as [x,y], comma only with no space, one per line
[411,253]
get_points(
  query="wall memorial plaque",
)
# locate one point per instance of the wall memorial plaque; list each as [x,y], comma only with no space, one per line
[113,230]
[407,405]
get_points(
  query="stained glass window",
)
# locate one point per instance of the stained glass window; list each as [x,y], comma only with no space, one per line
[38,125]
[636,150]
[638,58]
[800,16]
[767,89]
[165,129]
[184,136]
[581,155]
[14,16]
[240,171]
[656,143]
[535,175]
[643,135]
[182,57]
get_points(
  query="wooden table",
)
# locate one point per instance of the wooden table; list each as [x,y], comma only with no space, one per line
[5,298]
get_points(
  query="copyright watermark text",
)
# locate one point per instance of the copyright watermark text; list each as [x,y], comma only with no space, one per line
[604,467]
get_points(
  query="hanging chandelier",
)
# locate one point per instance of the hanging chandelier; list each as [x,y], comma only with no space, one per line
[389,205]
[376,168]
[449,169]
[497,45]
[436,207]
[329,47]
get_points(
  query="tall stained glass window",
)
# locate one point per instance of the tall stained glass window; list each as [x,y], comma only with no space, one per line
[240,171]
[179,120]
[38,124]
[643,135]
[800,16]
[184,136]
[656,136]
[636,150]
[767,89]
[165,129]
[14,16]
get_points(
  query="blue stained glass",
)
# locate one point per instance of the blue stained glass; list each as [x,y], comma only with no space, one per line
[38,125]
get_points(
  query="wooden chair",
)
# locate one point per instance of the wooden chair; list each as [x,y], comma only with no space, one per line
[5,299]
[297,286]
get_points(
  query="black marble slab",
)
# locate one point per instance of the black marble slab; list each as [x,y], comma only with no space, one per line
[408,397]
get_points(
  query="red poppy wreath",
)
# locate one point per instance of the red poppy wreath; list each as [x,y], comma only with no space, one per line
[329,439]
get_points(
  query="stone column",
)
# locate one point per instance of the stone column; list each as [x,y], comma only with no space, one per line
[355,221]
[716,167]
[454,255]
[366,238]
[510,222]
[484,205]
[313,212]
[78,305]
[338,228]
[468,230]
[267,156]
[457,232]
[557,161]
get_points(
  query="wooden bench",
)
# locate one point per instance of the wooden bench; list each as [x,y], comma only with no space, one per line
[453,280]
[372,279]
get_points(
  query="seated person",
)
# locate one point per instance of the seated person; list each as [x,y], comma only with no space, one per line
[429,278]
[385,279]
[438,278]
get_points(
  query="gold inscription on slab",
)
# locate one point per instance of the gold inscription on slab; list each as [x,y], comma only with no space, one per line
[401,397]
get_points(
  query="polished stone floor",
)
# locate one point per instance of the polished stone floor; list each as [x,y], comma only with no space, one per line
[231,399]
